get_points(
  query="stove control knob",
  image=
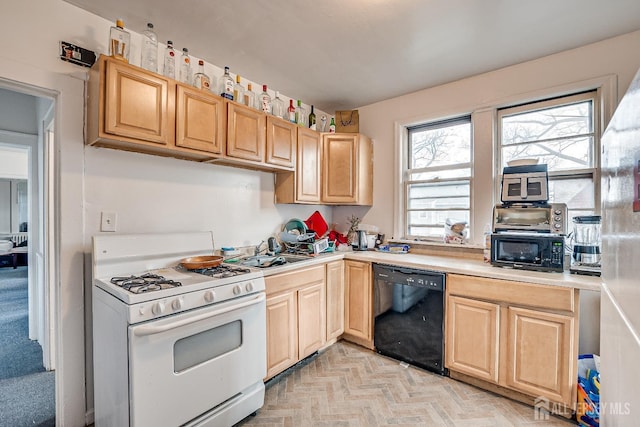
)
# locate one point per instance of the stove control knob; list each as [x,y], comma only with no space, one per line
[209,296]
[158,308]
[249,287]
[177,304]
[237,290]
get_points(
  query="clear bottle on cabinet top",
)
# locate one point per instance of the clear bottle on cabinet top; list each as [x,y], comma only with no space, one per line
[200,79]
[301,114]
[250,97]
[277,106]
[185,67]
[332,126]
[291,112]
[149,51]
[265,100]
[169,61]
[119,41]
[226,85]
[312,119]
[238,91]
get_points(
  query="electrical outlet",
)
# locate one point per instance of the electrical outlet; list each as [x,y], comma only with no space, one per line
[108,221]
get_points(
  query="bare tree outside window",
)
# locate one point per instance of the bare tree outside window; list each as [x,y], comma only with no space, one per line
[560,133]
[437,177]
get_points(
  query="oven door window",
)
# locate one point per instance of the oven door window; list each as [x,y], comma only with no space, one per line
[522,251]
[207,345]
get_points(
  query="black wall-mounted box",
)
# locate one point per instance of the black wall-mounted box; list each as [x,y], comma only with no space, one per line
[76,54]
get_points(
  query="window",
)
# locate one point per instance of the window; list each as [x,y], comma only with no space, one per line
[437,177]
[562,133]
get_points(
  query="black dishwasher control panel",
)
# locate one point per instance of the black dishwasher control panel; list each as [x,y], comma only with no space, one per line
[433,280]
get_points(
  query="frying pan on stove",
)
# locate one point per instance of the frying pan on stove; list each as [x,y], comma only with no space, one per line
[205,261]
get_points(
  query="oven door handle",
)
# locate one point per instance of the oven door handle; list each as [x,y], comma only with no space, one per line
[151,330]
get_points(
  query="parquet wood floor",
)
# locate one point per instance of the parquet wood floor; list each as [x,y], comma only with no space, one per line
[350,386]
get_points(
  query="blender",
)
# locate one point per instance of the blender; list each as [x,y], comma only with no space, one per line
[586,255]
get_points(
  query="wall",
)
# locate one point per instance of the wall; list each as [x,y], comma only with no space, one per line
[617,56]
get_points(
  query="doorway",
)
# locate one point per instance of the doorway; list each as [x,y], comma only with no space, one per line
[27,365]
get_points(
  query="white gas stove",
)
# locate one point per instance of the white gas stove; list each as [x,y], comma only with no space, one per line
[175,346]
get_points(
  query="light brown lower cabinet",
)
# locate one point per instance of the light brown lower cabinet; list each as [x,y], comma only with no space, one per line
[473,330]
[335,299]
[358,316]
[282,332]
[517,339]
[296,313]
[540,354]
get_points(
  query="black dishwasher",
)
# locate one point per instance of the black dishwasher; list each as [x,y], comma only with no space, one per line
[409,315]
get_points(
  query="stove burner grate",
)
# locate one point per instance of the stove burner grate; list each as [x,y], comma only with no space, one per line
[222,271]
[145,283]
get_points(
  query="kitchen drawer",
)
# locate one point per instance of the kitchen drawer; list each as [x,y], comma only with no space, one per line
[294,279]
[510,292]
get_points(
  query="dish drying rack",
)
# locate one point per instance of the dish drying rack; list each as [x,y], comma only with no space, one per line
[308,248]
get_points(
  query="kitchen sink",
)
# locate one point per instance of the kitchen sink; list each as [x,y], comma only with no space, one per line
[264,261]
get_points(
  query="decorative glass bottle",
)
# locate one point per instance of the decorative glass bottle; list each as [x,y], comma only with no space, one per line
[119,41]
[226,85]
[185,67]
[238,91]
[301,114]
[170,61]
[200,79]
[312,119]
[149,51]
[265,100]
[250,97]
[277,106]
[292,112]
[332,126]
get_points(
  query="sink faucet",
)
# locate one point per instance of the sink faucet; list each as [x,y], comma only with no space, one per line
[257,250]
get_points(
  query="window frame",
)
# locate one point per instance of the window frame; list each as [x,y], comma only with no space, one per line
[592,172]
[407,172]
[484,123]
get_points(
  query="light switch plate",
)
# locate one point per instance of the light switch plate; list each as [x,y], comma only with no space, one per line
[108,221]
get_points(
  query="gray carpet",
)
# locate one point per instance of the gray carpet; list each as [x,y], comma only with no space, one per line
[26,390]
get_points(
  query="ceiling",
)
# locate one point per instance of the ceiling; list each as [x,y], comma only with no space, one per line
[343,54]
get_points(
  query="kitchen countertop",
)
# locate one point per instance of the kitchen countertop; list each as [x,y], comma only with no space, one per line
[467,266]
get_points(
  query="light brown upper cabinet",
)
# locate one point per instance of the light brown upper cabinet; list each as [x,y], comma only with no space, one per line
[129,104]
[334,170]
[246,129]
[281,142]
[347,169]
[133,109]
[303,185]
[200,120]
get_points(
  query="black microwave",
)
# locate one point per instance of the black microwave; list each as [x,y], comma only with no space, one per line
[535,251]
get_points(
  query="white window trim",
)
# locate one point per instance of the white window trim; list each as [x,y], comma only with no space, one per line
[545,103]
[484,125]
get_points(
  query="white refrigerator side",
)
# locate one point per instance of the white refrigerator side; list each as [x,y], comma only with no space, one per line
[620,317]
